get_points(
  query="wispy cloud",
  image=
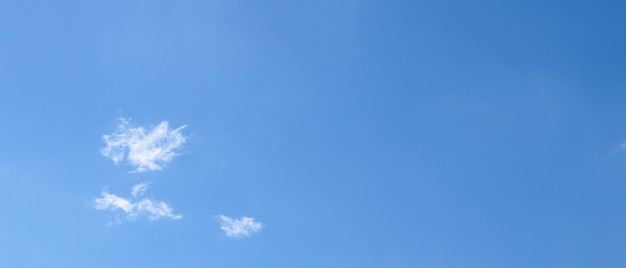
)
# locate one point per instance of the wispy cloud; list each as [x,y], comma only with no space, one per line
[147,150]
[240,228]
[135,209]
[139,189]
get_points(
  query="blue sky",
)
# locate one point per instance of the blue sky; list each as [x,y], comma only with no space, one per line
[314,133]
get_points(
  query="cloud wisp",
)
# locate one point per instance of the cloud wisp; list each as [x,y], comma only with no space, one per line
[139,189]
[132,209]
[146,150]
[240,228]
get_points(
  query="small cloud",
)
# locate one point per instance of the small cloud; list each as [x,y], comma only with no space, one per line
[114,202]
[133,210]
[139,189]
[147,150]
[240,228]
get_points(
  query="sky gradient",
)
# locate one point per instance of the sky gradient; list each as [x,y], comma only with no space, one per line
[343,133]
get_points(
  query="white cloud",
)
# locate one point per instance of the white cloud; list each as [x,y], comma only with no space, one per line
[133,210]
[241,228]
[147,150]
[139,189]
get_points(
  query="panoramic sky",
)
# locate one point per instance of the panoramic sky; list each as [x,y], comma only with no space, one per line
[345,133]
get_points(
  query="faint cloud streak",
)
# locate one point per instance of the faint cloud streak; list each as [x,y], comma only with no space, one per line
[153,210]
[139,189]
[240,228]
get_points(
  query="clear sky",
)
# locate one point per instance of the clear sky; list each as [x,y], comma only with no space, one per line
[344,133]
